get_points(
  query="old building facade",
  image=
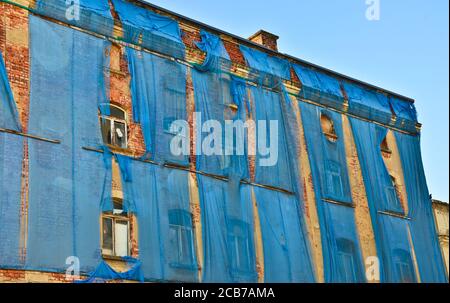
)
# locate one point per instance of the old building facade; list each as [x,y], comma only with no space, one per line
[91,190]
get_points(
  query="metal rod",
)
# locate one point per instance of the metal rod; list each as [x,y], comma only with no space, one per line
[387,213]
[187,169]
[350,205]
[14,132]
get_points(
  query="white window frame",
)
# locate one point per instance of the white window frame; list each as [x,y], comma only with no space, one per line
[114,218]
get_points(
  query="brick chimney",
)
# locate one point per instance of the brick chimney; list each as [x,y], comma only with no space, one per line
[266,39]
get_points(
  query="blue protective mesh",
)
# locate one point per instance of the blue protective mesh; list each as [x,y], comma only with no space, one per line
[161,200]
[319,87]
[158,33]
[9,117]
[217,57]
[341,251]
[391,233]
[423,229]
[406,114]
[64,207]
[104,272]
[228,243]
[92,15]
[158,89]
[268,107]
[367,103]
[285,244]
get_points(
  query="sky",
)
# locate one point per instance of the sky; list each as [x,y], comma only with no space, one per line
[405,51]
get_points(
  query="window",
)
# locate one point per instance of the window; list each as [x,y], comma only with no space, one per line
[392,194]
[114,127]
[385,150]
[334,181]
[346,260]
[239,246]
[116,232]
[181,238]
[328,128]
[404,266]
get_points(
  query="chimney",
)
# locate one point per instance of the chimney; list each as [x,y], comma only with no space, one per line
[266,39]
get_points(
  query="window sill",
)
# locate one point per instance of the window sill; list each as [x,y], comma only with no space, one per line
[113,258]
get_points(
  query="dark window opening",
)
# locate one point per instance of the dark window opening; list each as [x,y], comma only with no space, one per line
[328,128]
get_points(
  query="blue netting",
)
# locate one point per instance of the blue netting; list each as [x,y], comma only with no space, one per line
[212,94]
[265,63]
[92,15]
[286,253]
[423,229]
[217,57]
[406,114]
[160,199]
[367,103]
[9,117]
[319,87]
[228,243]
[142,26]
[158,89]
[342,257]
[267,108]
[391,233]
[104,272]
[64,206]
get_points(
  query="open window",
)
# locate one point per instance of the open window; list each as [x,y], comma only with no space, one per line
[385,150]
[328,128]
[116,232]
[115,127]
[239,246]
[181,237]
[346,260]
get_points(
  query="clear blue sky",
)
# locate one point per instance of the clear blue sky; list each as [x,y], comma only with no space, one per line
[406,51]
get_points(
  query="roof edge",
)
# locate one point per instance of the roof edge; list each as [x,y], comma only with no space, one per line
[261,47]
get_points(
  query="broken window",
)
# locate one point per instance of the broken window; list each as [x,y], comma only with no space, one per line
[114,127]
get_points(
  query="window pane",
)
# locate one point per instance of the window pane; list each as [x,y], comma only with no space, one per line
[107,236]
[106,130]
[120,135]
[186,246]
[117,113]
[121,238]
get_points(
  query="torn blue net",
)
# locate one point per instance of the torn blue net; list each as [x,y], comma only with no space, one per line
[319,87]
[391,233]
[285,244]
[104,272]
[158,90]
[406,114]
[155,32]
[326,151]
[9,116]
[217,57]
[367,103]
[11,154]
[64,207]
[422,224]
[93,15]
[272,158]
[162,205]
[228,240]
